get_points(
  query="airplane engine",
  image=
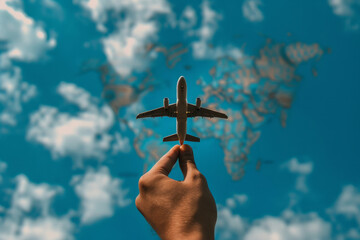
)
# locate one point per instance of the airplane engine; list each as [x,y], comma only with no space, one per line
[166,103]
[198,103]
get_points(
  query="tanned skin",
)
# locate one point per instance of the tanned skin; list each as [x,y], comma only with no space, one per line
[177,209]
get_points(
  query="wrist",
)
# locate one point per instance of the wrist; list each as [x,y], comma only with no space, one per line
[191,235]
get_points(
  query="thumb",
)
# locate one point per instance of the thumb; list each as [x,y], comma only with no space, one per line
[186,159]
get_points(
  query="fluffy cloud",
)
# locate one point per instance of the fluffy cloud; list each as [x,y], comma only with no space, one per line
[13,93]
[143,9]
[251,11]
[188,18]
[349,10]
[353,234]
[23,40]
[342,222]
[80,136]
[28,195]
[121,144]
[237,199]
[125,48]
[230,225]
[78,96]
[302,170]
[51,4]
[209,24]
[348,203]
[345,213]
[100,193]
[3,167]
[287,226]
[35,198]
[297,227]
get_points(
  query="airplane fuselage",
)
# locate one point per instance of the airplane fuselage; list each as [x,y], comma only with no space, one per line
[181,108]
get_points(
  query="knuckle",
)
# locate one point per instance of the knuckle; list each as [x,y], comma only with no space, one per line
[197,176]
[147,182]
[144,183]
[137,202]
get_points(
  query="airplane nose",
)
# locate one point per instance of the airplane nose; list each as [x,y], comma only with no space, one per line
[181,141]
[182,82]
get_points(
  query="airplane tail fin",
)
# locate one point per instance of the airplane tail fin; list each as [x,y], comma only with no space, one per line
[175,137]
[191,138]
[170,138]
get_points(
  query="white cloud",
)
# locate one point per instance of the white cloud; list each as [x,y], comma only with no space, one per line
[237,199]
[302,170]
[288,226]
[50,8]
[230,225]
[125,48]
[348,203]
[44,228]
[142,9]
[353,234]
[188,18]
[201,50]
[100,193]
[121,144]
[51,4]
[294,225]
[349,10]
[35,198]
[25,39]
[251,10]
[298,227]
[345,213]
[209,24]
[295,166]
[13,93]
[29,195]
[131,112]
[76,95]
[82,135]
[3,167]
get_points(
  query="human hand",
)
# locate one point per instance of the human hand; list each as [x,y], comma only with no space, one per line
[177,209]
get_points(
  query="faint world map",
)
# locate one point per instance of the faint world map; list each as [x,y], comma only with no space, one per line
[74,75]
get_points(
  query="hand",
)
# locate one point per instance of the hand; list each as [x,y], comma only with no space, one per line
[177,209]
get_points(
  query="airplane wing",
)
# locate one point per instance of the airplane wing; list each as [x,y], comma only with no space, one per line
[160,112]
[193,111]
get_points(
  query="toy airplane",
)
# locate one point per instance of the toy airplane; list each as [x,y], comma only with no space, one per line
[181,110]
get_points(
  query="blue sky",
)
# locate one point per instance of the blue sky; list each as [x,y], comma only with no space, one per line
[74,74]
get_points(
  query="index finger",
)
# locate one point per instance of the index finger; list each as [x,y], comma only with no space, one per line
[166,162]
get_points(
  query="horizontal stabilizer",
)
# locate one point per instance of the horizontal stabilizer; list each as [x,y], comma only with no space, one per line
[170,138]
[191,138]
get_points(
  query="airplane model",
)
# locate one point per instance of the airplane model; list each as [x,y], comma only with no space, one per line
[181,110]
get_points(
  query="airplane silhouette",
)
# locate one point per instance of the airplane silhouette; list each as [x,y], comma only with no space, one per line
[181,110]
